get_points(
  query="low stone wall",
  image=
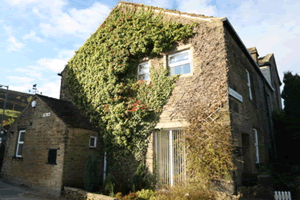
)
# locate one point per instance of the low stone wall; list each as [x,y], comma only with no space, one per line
[79,194]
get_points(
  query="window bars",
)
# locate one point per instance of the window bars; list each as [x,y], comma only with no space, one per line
[170,157]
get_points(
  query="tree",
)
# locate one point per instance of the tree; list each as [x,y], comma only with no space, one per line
[287,122]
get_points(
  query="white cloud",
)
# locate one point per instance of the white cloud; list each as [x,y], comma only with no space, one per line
[197,6]
[21,2]
[51,89]
[32,36]
[53,64]
[14,44]
[276,30]
[77,22]
[66,54]
[19,79]
[21,87]
[38,13]
[30,72]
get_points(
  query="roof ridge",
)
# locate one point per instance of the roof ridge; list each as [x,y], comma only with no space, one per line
[168,10]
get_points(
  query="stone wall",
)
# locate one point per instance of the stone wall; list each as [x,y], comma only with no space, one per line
[41,133]
[64,93]
[207,50]
[248,114]
[76,153]
[79,194]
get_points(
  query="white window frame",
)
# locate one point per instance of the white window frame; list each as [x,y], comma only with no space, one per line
[95,142]
[180,62]
[20,142]
[249,84]
[138,74]
[256,145]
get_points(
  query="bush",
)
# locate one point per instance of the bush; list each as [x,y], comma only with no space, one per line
[90,174]
[142,179]
[181,192]
[109,184]
[146,194]
[131,196]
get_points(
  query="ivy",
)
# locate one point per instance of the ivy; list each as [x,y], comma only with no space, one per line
[102,74]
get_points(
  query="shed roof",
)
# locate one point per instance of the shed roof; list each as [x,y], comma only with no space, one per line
[67,112]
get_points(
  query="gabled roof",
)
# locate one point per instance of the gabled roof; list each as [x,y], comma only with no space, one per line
[67,112]
[264,59]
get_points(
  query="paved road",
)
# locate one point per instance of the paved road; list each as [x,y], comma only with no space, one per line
[9,191]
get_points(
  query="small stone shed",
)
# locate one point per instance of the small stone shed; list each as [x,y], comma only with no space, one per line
[48,146]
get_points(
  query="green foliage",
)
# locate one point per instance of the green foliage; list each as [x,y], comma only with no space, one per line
[185,192]
[90,175]
[109,184]
[131,196]
[102,75]
[287,122]
[10,113]
[146,194]
[142,179]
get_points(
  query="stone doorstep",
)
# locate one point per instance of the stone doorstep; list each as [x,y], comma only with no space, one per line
[88,195]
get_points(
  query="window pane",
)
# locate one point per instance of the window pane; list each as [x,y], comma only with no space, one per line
[143,68]
[52,156]
[186,68]
[20,150]
[92,142]
[177,70]
[22,136]
[163,157]
[179,57]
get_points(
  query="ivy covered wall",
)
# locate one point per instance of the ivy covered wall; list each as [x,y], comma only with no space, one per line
[102,76]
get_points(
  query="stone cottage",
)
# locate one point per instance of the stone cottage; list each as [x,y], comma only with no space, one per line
[213,60]
[48,146]
[214,53]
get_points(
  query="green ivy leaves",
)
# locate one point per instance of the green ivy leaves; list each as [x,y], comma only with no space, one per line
[102,75]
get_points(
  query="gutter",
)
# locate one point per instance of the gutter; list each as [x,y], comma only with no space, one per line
[226,21]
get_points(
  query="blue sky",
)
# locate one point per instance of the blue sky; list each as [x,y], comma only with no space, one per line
[38,37]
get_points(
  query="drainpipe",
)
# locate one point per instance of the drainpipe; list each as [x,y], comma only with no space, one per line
[104,168]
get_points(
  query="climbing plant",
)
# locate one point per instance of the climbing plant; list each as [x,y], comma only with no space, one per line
[102,75]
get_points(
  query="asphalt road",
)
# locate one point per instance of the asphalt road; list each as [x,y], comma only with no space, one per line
[10,191]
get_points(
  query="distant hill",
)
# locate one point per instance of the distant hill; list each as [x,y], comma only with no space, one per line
[16,102]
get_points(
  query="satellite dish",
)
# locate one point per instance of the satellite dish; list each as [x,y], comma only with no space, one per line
[33,104]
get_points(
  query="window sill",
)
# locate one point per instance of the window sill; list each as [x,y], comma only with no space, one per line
[93,147]
[51,163]
[184,75]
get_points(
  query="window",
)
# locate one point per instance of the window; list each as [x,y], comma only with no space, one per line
[143,71]
[249,84]
[256,145]
[93,142]
[52,154]
[170,156]
[180,63]
[20,143]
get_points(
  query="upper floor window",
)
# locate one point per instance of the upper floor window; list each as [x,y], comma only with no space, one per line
[180,63]
[143,71]
[249,84]
[20,143]
[93,142]
[256,145]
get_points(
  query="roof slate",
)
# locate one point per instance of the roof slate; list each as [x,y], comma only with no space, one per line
[67,112]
